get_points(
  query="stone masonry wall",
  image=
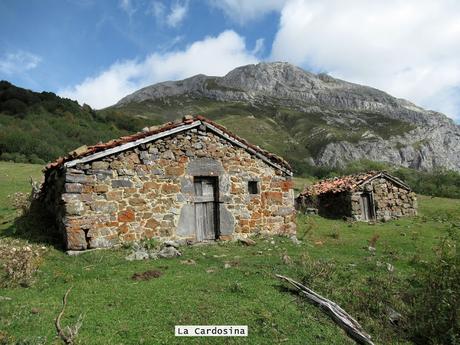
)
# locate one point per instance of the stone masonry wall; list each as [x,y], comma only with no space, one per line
[148,192]
[390,201]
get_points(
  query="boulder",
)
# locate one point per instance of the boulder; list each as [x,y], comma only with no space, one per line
[168,253]
[247,241]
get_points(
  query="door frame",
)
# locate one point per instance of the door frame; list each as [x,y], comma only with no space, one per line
[371,214]
[215,202]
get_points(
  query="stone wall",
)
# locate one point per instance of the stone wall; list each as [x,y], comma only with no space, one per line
[148,192]
[390,200]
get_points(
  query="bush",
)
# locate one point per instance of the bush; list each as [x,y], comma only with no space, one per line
[435,297]
[21,202]
[14,107]
[19,263]
[19,266]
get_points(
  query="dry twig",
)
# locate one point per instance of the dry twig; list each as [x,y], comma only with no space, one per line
[342,318]
[69,333]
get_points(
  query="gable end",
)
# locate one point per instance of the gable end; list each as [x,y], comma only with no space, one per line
[210,126]
[389,177]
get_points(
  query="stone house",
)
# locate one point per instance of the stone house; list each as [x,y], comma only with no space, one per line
[365,197]
[189,179]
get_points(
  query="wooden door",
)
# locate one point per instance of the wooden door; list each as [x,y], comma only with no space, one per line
[366,207]
[206,216]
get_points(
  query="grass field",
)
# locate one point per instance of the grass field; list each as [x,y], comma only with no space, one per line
[333,259]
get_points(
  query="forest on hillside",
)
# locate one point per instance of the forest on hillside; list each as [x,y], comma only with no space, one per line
[39,127]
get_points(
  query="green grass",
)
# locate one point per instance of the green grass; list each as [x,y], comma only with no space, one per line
[118,310]
[301,182]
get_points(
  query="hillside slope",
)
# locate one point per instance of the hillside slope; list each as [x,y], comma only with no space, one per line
[39,127]
[310,119]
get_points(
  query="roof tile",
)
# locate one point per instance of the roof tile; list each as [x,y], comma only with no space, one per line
[338,184]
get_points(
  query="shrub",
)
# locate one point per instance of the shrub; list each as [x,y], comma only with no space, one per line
[14,106]
[309,227]
[434,297]
[19,263]
[313,271]
[335,234]
[21,202]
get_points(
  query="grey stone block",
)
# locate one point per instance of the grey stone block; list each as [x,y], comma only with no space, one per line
[99,165]
[227,221]
[122,183]
[205,167]
[74,208]
[186,225]
[186,185]
[78,178]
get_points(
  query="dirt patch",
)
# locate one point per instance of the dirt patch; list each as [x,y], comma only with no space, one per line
[147,275]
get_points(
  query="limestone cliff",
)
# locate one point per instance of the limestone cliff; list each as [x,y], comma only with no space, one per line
[335,121]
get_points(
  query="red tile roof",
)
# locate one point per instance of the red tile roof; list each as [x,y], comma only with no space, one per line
[347,183]
[87,151]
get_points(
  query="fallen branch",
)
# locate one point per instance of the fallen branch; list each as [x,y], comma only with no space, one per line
[342,318]
[68,334]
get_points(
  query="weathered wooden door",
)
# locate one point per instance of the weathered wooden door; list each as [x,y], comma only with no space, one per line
[206,215]
[366,207]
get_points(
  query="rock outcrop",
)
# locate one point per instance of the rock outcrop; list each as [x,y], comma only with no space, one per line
[431,141]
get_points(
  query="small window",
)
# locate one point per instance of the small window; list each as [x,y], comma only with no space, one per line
[253,187]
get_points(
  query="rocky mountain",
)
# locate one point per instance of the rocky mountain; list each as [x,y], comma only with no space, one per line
[309,118]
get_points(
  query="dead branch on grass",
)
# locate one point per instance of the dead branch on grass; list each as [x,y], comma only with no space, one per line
[69,333]
[342,318]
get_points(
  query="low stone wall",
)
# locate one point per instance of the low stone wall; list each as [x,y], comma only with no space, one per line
[148,192]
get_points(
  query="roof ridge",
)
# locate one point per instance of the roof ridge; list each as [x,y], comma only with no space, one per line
[139,137]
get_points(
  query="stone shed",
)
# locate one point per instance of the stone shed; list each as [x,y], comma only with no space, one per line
[189,179]
[364,197]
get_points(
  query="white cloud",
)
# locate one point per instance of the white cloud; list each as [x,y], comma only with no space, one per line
[211,56]
[158,10]
[128,7]
[18,62]
[409,48]
[243,11]
[173,16]
[177,14]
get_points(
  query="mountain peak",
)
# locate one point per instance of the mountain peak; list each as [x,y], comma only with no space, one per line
[334,120]
[287,84]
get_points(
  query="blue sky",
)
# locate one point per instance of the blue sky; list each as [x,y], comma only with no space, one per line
[97,51]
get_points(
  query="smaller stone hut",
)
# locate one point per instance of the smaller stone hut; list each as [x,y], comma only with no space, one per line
[364,197]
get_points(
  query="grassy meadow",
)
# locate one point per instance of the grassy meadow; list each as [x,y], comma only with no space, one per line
[225,283]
